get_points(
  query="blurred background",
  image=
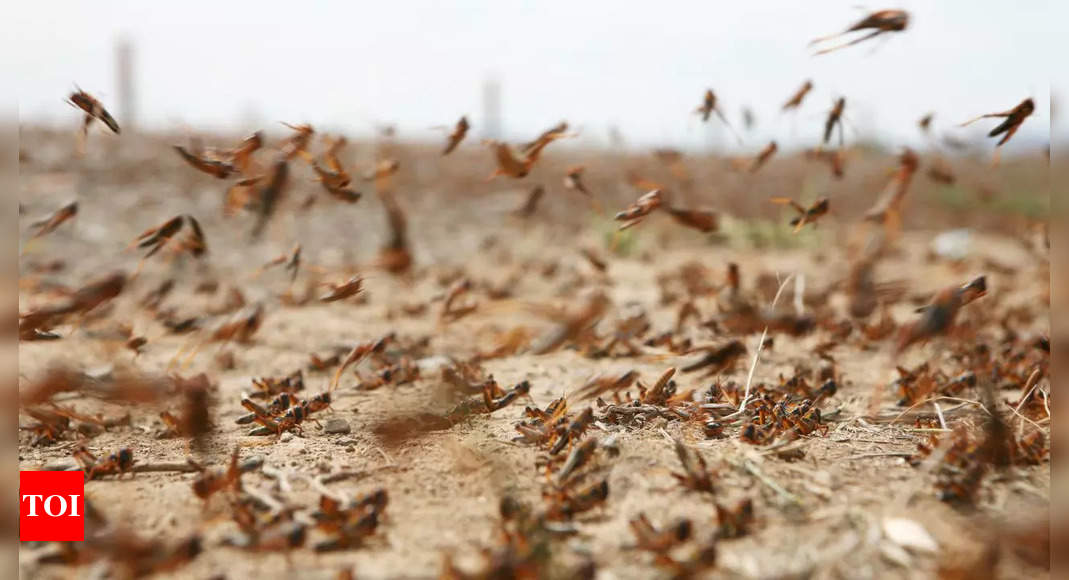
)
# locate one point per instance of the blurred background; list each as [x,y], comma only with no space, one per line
[518,67]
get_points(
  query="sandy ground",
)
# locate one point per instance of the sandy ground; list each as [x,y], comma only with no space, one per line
[818,516]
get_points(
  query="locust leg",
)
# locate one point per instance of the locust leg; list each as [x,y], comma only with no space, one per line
[851,43]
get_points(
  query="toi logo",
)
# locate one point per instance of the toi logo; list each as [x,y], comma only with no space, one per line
[51,506]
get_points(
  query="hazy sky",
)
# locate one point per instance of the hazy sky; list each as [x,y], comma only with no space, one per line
[641,66]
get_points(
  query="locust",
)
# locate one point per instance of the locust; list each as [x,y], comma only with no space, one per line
[214,167]
[456,136]
[835,117]
[806,215]
[880,22]
[763,156]
[939,316]
[796,99]
[334,177]
[93,110]
[1007,128]
[50,223]
[518,164]
[709,106]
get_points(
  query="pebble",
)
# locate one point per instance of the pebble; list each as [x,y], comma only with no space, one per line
[336,425]
[252,463]
[101,373]
[909,534]
[286,437]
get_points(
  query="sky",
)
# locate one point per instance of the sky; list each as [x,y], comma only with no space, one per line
[641,67]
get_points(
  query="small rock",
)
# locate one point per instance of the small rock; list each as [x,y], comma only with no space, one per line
[953,245]
[101,373]
[909,534]
[286,437]
[252,463]
[347,442]
[433,364]
[336,426]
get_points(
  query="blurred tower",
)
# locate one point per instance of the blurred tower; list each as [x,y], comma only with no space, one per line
[491,125]
[124,70]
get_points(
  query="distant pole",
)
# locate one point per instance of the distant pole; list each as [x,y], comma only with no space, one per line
[491,125]
[124,69]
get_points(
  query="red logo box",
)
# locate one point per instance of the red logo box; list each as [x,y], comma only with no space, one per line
[51,506]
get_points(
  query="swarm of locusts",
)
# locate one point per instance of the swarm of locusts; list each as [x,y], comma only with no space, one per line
[723,385]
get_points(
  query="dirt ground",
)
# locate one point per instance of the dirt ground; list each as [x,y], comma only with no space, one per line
[821,515]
